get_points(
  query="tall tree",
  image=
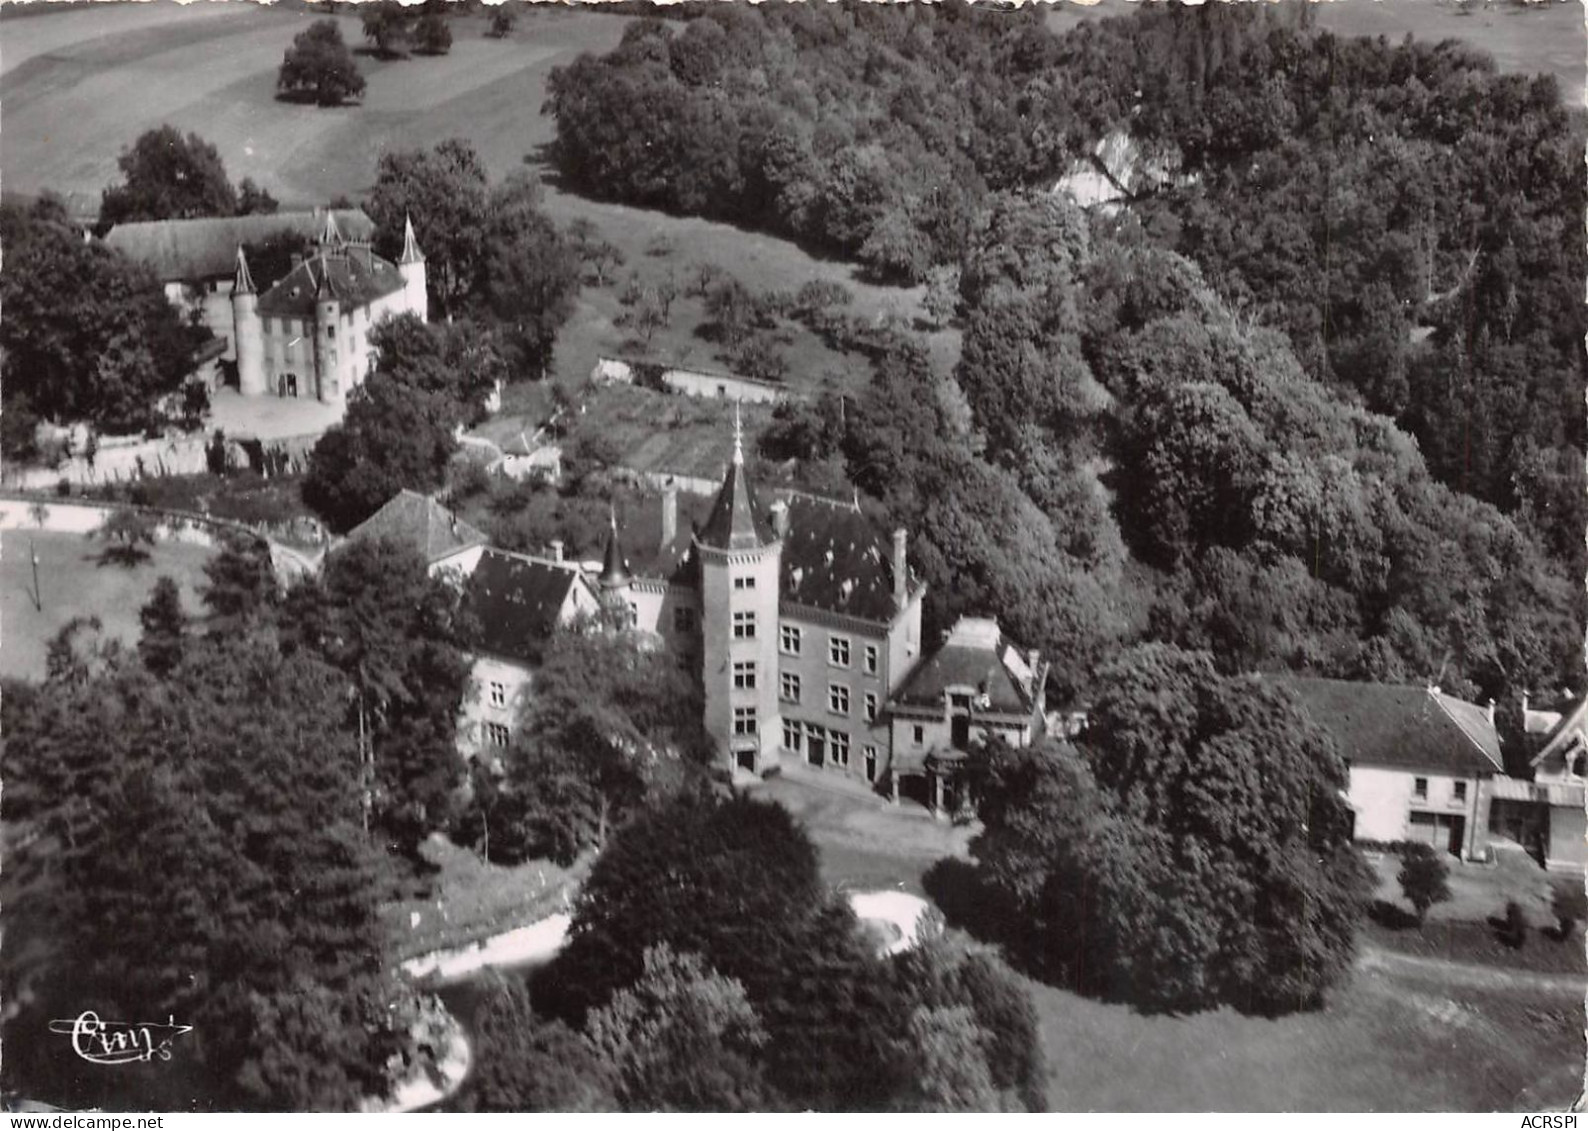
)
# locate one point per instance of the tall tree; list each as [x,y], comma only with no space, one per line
[529,273]
[318,64]
[444,191]
[167,176]
[164,624]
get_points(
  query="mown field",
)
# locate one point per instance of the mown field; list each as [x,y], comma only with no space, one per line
[72,582]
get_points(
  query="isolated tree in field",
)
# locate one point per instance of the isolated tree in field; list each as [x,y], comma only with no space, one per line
[387,24]
[168,176]
[1423,879]
[127,534]
[164,628]
[681,1038]
[432,35]
[319,64]
[503,18]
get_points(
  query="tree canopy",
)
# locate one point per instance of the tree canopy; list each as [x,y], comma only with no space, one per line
[319,65]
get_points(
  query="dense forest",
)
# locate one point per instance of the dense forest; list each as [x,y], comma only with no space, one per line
[1401,211]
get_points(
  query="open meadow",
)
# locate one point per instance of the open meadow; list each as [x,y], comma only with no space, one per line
[72,582]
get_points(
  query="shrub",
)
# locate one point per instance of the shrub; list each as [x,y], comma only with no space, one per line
[1423,879]
[1569,902]
[1513,931]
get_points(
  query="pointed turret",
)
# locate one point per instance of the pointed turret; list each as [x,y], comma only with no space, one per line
[248,335]
[411,264]
[411,252]
[737,520]
[330,234]
[243,284]
[614,568]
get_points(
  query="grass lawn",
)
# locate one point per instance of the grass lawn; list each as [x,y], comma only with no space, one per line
[1477,891]
[1478,943]
[75,584]
[1381,1045]
[473,899]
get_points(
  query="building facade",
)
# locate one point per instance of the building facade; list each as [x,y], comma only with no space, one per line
[308,335]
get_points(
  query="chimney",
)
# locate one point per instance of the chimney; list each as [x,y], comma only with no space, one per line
[297,259]
[1491,712]
[669,514]
[1524,700]
[780,518]
[1034,660]
[556,549]
[901,568]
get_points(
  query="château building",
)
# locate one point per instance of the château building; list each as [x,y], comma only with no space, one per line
[308,335]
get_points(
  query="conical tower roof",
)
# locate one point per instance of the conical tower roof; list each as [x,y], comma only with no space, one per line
[411,253]
[737,520]
[243,283]
[614,567]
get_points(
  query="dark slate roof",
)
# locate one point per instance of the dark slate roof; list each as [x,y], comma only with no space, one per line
[191,250]
[975,655]
[513,602]
[354,277]
[640,535]
[835,559]
[1419,728]
[419,521]
[738,520]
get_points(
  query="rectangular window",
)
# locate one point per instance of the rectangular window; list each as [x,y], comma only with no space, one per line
[838,699]
[871,659]
[838,651]
[744,583]
[744,720]
[871,763]
[871,707]
[920,734]
[793,736]
[496,734]
[791,640]
[744,626]
[789,688]
[1420,788]
[1459,791]
[744,675]
[839,741]
[498,694]
[683,619]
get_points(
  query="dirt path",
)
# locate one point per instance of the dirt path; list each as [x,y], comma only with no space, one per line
[1470,974]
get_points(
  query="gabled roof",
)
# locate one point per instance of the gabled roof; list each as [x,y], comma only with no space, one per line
[976,655]
[835,558]
[1573,727]
[419,521]
[1415,728]
[514,601]
[192,250]
[354,277]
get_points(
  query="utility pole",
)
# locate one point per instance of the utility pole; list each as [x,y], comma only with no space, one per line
[38,601]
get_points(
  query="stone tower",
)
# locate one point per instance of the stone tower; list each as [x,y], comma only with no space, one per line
[741,558]
[615,583]
[327,351]
[412,266]
[250,343]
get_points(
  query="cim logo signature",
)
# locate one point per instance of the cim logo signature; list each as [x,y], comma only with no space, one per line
[119,1042]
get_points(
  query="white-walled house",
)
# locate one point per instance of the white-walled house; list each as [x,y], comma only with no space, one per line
[512,604]
[447,543]
[1545,816]
[1422,763]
